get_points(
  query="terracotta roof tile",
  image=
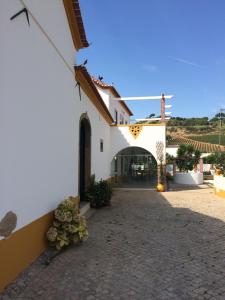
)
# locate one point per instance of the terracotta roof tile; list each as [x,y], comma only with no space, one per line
[77,13]
[73,12]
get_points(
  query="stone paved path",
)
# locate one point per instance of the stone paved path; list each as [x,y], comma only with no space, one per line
[145,246]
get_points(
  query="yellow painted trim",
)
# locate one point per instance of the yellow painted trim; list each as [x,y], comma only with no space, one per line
[23,247]
[220,193]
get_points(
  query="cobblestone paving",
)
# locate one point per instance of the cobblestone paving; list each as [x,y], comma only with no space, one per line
[145,246]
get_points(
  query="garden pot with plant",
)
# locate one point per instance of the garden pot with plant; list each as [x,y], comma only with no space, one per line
[68,226]
[161,186]
[187,160]
[99,193]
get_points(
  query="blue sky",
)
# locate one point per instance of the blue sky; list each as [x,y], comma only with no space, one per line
[147,47]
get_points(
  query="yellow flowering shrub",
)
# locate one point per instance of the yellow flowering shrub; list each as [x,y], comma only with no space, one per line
[68,226]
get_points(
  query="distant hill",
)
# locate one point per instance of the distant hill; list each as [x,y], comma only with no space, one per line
[203,133]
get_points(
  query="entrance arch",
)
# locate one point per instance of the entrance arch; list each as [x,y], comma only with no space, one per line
[134,167]
[84,155]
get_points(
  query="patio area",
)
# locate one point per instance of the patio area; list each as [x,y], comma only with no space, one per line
[146,245]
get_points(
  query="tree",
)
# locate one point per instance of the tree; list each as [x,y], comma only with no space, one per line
[187,158]
[217,159]
[151,116]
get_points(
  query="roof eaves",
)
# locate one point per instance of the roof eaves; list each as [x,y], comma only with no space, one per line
[88,86]
[76,25]
[114,92]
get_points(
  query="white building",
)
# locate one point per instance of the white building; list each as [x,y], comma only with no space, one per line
[58,124]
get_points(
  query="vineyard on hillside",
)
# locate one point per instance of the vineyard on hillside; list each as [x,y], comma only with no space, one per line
[212,138]
[202,146]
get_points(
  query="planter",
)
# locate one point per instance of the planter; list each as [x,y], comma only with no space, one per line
[190,178]
[160,187]
[219,185]
[218,172]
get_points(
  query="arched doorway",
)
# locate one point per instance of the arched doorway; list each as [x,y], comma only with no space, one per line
[84,156]
[134,167]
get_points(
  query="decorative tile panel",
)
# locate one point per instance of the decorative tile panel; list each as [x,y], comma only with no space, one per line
[135,130]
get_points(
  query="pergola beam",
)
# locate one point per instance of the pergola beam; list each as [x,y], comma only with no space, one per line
[142,98]
[152,119]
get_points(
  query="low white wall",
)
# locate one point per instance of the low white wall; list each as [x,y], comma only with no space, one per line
[219,183]
[172,150]
[169,169]
[189,178]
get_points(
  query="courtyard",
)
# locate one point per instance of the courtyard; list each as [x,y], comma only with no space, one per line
[146,245]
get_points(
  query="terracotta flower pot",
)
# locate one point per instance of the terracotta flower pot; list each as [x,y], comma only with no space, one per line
[218,172]
[160,187]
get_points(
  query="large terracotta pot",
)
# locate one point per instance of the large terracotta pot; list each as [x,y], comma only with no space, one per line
[160,187]
[218,172]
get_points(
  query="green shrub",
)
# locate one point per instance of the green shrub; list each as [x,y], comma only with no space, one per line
[68,226]
[218,159]
[99,194]
[187,158]
[169,177]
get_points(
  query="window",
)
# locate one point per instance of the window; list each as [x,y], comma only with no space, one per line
[116,117]
[121,119]
[101,145]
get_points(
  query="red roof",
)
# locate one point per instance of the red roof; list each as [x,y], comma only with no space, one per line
[76,25]
[77,13]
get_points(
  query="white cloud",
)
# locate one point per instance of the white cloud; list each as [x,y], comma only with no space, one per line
[184,61]
[150,68]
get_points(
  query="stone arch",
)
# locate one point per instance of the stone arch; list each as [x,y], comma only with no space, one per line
[134,165]
[84,154]
[133,146]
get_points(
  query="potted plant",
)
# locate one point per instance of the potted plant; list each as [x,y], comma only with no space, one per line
[161,181]
[187,160]
[99,193]
[68,226]
[218,160]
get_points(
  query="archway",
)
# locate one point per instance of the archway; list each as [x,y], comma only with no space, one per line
[84,156]
[134,167]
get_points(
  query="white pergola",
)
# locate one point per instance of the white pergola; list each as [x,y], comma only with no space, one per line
[144,98]
[164,115]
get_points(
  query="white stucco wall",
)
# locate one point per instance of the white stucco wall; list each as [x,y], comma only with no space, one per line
[122,138]
[39,114]
[189,178]
[172,150]
[100,129]
[37,111]
[113,105]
